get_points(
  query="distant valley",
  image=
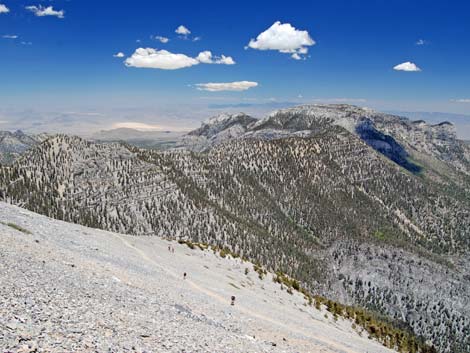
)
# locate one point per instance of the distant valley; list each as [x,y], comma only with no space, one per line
[145,139]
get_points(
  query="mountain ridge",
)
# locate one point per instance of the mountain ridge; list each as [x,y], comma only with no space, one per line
[14,144]
[316,206]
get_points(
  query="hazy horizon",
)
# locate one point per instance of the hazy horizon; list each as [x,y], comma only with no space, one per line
[87,123]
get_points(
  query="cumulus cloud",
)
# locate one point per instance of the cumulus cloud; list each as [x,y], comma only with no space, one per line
[226,86]
[159,59]
[42,11]
[206,57]
[161,39]
[407,66]
[4,9]
[10,36]
[421,42]
[284,38]
[182,30]
[165,60]
[119,55]
[296,56]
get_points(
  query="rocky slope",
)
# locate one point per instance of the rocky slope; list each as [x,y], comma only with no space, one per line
[408,143]
[70,288]
[314,191]
[216,130]
[231,126]
[14,144]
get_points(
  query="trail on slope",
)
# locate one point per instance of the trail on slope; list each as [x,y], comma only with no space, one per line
[321,339]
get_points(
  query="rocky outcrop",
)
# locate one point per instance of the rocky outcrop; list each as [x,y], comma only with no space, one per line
[223,127]
[13,144]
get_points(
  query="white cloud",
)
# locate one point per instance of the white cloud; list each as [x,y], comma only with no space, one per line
[26,43]
[159,59]
[165,60]
[284,38]
[4,9]
[42,11]
[226,60]
[421,42]
[465,100]
[182,30]
[206,57]
[161,39]
[296,56]
[226,86]
[196,39]
[407,66]
[10,36]
[119,55]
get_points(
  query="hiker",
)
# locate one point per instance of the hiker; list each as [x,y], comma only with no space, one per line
[233,300]
[184,275]
[169,248]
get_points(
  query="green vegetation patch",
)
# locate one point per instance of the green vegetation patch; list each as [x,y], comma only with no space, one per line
[234,286]
[381,235]
[380,328]
[17,227]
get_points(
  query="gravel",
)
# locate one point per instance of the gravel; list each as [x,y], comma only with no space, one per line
[68,288]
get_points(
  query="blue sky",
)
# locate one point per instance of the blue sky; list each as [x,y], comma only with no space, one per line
[66,65]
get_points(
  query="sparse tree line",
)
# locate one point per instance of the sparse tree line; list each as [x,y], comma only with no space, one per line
[281,203]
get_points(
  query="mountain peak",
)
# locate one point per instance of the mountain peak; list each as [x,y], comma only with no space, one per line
[237,123]
[313,117]
[13,144]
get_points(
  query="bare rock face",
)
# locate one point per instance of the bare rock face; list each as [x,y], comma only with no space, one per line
[216,130]
[224,123]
